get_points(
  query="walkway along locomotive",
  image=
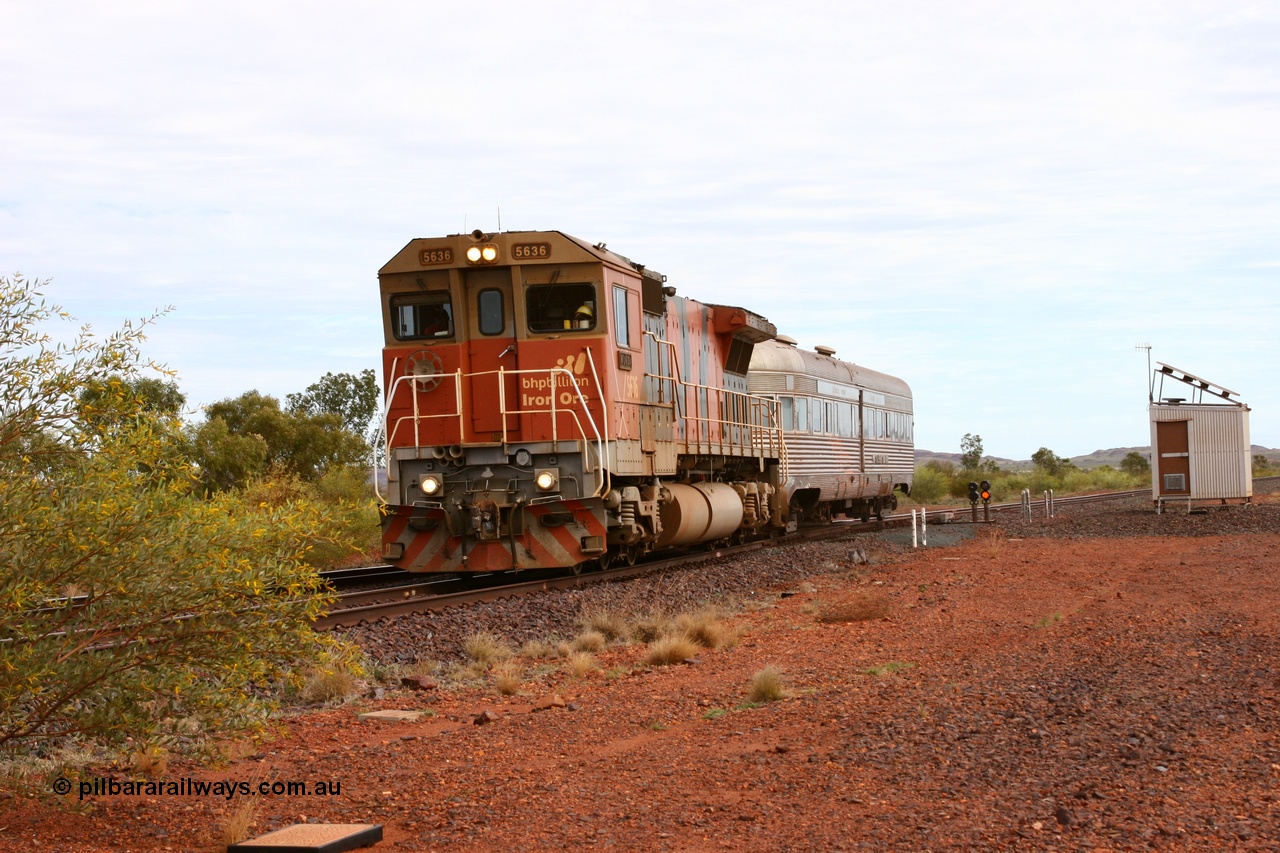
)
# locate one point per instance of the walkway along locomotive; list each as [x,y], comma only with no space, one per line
[550,403]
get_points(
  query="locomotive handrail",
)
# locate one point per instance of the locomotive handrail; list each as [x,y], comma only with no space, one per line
[673,362]
[388,435]
[585,435]
[602,483]
[772,434]
[417,415]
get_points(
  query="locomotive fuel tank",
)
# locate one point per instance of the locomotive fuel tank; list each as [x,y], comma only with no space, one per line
[699,512]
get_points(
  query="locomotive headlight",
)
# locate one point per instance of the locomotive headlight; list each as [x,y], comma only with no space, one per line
[546,479]
[485,253]
[431,485]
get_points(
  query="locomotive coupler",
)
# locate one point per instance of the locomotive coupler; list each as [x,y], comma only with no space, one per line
[484,520]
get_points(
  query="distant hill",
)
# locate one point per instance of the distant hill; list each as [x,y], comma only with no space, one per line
[1110,457]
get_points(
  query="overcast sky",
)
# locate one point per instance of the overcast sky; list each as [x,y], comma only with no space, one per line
[994,201]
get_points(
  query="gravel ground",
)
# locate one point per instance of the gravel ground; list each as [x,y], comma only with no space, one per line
[1105,680]
[732,582]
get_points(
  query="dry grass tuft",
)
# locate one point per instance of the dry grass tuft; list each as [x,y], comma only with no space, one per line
[670,649]
[239,823]
[609,624]
[993,539]
[486,649]
[329,685]
[652,626]
[767,686]
[508,678]
[580,664]
[589,641]
[423,666]
[537,649]
[152,761]
[860,607]
[707,629]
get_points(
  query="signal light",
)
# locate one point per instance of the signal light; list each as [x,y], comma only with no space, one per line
[985,491]
[973,493]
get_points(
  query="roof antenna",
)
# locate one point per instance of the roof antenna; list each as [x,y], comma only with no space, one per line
[499,219]
[1151,379]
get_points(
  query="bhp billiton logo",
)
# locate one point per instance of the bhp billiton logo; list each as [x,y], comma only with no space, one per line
[548,385]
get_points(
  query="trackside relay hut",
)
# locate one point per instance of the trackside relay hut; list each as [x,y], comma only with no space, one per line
[1200,448]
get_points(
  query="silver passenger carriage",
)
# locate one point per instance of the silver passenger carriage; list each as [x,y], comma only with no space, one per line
[848,431]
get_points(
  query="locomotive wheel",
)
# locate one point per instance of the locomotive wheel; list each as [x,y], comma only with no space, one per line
[577,567]
[631,554]
[604,560]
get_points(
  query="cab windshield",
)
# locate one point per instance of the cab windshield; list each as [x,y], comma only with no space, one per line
[561,307]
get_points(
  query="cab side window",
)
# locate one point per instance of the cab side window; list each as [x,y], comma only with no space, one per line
[621,318]
[419,316]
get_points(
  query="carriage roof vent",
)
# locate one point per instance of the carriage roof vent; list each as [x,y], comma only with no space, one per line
[785,339]
[824,350]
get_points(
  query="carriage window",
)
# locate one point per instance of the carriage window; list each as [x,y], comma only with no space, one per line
[845,414]
[561,307]
[875,426]
[415,316]
[802,414]
[492,318]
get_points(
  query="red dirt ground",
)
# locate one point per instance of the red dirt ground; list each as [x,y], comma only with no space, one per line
[1022,694]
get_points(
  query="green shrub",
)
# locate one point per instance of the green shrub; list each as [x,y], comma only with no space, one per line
[931,485]
[195,607]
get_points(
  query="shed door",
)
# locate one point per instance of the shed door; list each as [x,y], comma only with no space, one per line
[1174,464]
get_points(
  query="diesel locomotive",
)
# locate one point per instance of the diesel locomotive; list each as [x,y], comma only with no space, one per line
[550,403]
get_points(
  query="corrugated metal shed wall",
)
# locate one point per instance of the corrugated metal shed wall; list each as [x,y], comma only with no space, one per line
[1221,461]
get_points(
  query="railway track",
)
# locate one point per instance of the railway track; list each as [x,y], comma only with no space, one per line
[434,594]
[429,596]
